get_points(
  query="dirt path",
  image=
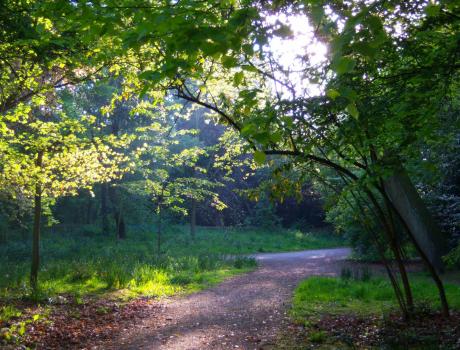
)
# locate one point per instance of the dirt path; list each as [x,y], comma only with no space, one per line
[244,312]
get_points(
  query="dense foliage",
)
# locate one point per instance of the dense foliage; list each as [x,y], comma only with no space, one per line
[156,111]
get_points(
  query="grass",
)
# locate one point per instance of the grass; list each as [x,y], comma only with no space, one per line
[251,240]
[320,295]
[81,265]
[360,311]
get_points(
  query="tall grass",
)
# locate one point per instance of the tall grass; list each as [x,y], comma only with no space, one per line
[88,264]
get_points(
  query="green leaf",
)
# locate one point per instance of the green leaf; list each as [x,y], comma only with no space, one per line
[276,136]
[262,137]
[259,157]
[317,14]
[229,61]
[375,24]
[248,49]
[379,39]
[238,79]
[365,49]
[344,65]
[332,93]
[249,68]
[352,110]
[432,10]
[348,93]
[248,129]
[143,92]
[150,75]
[288,121]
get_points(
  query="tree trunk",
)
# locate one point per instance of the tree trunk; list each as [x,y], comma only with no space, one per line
[36,228]
[389,230]
[221,219]
[377,212]
[159,212]
[416,217]
[433,272]
[193,219]
[104,208]
[396,247]
[89,210]
[120,229]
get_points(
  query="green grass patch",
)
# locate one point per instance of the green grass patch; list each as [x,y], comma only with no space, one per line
[253,240]
[328,295]
[81,265]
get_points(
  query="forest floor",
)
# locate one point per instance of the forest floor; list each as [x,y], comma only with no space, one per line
[255,310]
[244,312]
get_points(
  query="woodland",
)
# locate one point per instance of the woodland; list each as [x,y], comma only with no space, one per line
[154,149]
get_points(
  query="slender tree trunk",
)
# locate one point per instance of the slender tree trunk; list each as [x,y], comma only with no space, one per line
[159,213]
[121,227]
[399,260]
[429,260]
[104,208]
[377,212]
[36,228]
[89,210]
[221,219]
[386,225]
[404,277]
[116,216]
[405,301]
[433,272]
[193,219]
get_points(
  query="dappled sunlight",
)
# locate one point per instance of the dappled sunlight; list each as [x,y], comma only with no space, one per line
[236,311]
[171,172]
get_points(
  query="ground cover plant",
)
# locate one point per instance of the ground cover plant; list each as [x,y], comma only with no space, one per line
[84,270]
[359,310]
[84,265]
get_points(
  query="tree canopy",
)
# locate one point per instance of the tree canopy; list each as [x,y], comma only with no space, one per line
[357,123]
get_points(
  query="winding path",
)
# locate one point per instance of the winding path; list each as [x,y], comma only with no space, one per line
[243,312]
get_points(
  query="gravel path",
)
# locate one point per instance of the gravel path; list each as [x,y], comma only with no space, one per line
[243,312]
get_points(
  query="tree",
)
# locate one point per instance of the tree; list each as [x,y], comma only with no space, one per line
[168,164]
[47,154]
[378,53]
[391,67]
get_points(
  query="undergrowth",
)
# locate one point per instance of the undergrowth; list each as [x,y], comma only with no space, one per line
[79,265]
[359,311]
[318,295]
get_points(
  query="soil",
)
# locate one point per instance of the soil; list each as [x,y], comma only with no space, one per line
[244,312]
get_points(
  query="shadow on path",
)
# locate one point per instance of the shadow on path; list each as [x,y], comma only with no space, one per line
[241,313]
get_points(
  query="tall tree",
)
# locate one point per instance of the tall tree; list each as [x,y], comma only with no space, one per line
[377,99]
[48,154]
